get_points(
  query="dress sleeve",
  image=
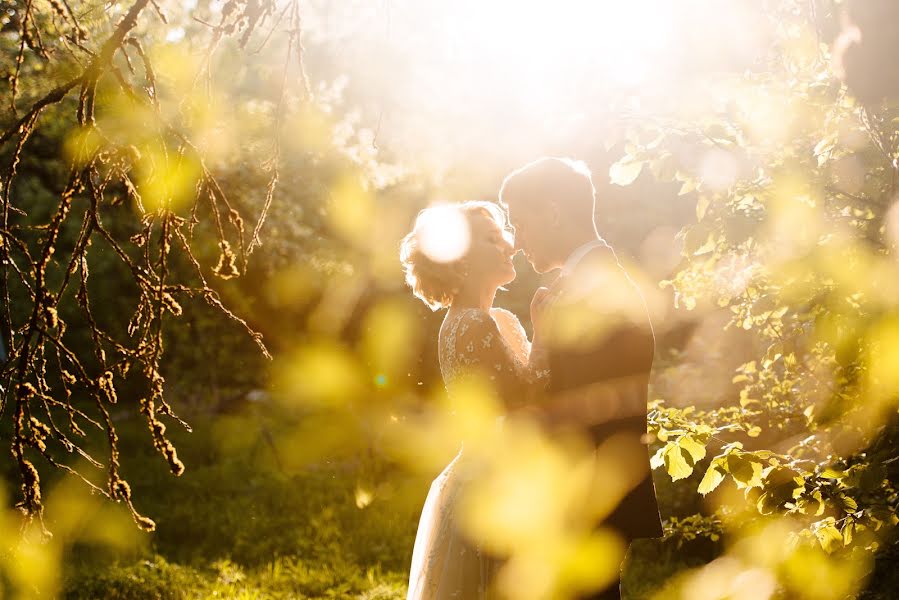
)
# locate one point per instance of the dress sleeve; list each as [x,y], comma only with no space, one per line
[481,348]
[533,368]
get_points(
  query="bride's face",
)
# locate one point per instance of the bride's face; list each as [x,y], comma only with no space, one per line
[490,254]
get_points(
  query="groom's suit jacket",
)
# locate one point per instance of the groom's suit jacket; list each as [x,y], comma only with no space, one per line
[600,353]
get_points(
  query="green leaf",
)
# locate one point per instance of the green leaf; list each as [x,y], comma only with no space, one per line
[696,450]
[828,535]
[702,205]
[767,503]
[811,504]
[848,531]
[664,168]
[710,243]
[832,473]
[732,447]
[849,504]
[688,186]
[746,473]
[676,462]
[625,171]
[712,479]
[745,400]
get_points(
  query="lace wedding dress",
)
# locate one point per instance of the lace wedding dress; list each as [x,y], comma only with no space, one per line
[446,565]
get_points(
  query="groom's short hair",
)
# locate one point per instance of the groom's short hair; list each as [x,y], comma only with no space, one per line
[567,180]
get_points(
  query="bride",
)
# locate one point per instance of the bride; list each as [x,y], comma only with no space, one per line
[474,336]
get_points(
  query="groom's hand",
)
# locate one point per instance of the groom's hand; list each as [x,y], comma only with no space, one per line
[541,303]
[538,306]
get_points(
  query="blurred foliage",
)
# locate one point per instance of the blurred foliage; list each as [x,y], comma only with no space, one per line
[150,188]
[794,239]
[238,527]
[306,473]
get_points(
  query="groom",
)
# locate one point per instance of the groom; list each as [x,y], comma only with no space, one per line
[594,330]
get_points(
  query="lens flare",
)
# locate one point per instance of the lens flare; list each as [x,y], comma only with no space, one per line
[443,234]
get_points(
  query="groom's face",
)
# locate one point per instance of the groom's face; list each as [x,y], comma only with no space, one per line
[534,226]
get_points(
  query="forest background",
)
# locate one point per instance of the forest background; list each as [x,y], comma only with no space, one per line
[217,384]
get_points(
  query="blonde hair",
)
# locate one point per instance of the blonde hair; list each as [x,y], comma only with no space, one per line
[436,283]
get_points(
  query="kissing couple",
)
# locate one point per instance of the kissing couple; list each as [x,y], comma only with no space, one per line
[586,369]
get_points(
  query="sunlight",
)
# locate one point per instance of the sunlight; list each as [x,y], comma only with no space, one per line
[209,212]
[546,40]
[727,578]
[495,76]
[443,234]
[719,169]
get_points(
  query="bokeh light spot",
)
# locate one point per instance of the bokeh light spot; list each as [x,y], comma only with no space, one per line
[443,234]
[719,169]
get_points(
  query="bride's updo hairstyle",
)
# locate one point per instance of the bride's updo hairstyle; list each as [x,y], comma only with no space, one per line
[434,281]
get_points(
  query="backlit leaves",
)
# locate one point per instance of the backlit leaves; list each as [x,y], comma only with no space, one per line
[679,456]
[625,171]
[828,535]
[713,477]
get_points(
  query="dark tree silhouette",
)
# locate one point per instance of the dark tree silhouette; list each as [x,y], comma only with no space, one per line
[52,388]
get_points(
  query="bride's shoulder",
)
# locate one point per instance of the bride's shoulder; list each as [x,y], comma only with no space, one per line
[465,314]
[466,330]
[501,315]
[461,320]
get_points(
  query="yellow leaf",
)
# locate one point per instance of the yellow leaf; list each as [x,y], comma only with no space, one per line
[712,479]
[676,462]
[364,497]
[828,535]
[696,450]
[625,171]
[702,205]
[687,187]
[747,473]
[707,247]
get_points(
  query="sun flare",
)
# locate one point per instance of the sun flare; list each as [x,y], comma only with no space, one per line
[443,234]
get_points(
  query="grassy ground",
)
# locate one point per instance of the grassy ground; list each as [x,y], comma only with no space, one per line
[237,526]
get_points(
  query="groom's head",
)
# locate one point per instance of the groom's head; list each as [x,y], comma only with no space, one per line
[550,204]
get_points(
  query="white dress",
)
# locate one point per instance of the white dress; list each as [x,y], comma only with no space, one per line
[445,565]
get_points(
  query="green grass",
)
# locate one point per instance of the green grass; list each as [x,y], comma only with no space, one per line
[237,526]
[283,578]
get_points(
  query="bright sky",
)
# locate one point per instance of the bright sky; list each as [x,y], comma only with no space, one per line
[458,78]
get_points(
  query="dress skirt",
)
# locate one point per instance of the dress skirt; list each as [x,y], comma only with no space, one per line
[446,564]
